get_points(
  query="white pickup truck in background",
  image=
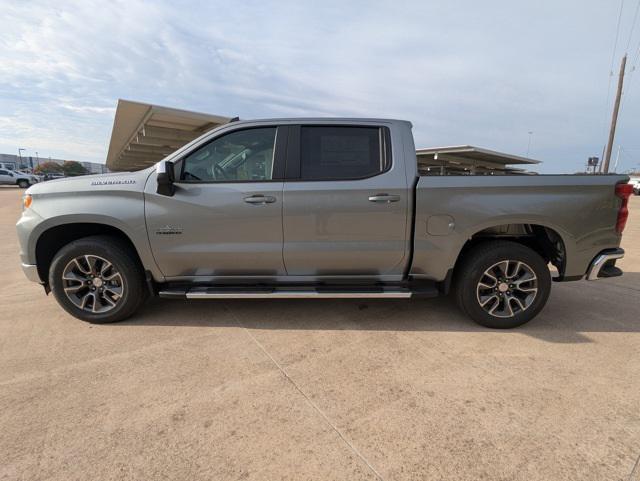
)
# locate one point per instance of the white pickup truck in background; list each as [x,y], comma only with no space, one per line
[11,177]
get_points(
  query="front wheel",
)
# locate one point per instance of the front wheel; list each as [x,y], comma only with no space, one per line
[502,284]
[23,184]
[97,279]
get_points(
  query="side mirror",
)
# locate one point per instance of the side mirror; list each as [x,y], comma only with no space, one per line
[166,178]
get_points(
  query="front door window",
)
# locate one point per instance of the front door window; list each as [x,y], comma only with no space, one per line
[241,156]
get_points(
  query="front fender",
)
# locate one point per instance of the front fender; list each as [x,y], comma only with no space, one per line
[122,210]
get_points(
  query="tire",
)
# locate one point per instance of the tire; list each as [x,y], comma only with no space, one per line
[89,289]
[23,184]
[515,297]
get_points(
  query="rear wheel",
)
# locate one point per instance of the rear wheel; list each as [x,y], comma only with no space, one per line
[23,184]
[97,279]
[502,284]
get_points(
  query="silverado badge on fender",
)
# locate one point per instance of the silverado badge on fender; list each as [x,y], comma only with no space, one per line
[113,182]
[169,230]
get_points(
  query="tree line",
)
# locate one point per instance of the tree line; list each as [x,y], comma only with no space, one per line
[69,168]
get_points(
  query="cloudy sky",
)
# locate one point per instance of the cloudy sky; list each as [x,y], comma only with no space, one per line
[464,72]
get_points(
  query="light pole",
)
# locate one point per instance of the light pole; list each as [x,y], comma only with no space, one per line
[614,117]
[529,143]
[615,166]
[20,157]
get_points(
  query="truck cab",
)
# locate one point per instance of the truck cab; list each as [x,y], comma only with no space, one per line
[286,201]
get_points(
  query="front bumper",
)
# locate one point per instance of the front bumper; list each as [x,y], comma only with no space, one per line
[31,271]
[601,266]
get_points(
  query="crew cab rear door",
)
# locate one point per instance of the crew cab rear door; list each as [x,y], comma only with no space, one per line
[345,202]
[225,217]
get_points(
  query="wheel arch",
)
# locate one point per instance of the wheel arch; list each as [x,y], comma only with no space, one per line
[54,238]
[547,241]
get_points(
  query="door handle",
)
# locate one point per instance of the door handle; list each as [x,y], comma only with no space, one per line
[384,198]
[259,199]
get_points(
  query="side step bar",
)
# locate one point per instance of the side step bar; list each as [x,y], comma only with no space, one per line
[293,295]
[309,293]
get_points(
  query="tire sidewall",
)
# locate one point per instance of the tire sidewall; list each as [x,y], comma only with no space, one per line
[129,271]
[475,270]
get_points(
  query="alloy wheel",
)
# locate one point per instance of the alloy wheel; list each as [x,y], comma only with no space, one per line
[93,284]
[507,288]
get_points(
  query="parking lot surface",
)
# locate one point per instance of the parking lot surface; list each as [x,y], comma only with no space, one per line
[322,390]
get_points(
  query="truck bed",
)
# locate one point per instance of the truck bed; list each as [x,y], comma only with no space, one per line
[451,210]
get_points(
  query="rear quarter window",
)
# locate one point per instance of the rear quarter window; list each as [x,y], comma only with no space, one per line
[341,152]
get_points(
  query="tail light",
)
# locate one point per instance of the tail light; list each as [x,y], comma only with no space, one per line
[623,191]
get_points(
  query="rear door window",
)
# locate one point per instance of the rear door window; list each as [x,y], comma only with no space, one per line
[341,152]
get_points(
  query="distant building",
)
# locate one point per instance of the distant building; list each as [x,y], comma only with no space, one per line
[95,168]
[29,162]
[9,161]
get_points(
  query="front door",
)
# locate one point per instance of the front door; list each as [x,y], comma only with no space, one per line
[345,203]
[225,218]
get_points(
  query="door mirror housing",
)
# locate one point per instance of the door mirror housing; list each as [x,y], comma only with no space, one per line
[166,178]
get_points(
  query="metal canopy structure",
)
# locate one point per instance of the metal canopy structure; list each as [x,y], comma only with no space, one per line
[469,160]
[143,134]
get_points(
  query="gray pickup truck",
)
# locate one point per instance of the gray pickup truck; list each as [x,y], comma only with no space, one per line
[317,208]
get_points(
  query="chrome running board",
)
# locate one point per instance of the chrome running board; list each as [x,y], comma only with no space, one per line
[227,293]
[295,295]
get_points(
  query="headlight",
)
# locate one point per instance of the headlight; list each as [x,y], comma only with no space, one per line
[26,201]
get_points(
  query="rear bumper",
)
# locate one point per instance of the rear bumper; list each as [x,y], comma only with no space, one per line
[31,271]
[595,270]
